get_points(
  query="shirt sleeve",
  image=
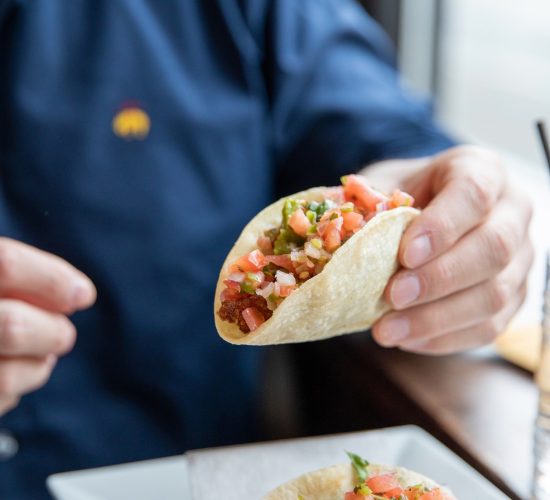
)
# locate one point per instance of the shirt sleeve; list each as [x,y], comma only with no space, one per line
[335,97]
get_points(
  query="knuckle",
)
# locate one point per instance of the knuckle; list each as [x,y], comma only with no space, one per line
[523,293]
[479,193]
[529,209]
[426,323]
[441,278]
[499,294]
[501,244]
[8,256]
[10,326]
[482,153]
[443,230]
[66,336]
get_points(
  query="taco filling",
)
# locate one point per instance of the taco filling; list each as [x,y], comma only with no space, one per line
[386,486]
[297,250]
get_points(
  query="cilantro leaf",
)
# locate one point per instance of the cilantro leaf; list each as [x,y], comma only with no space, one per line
[359,464]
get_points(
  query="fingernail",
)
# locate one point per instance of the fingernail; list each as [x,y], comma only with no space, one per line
[83,293]
[405,290]
[393,329]
[418,251]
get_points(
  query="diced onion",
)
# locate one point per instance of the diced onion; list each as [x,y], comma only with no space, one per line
[237,277]
[256,277]
[298,256]
[311,251]
[266,291]
[285,279]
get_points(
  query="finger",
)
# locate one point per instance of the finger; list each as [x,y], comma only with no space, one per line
[21,375]
[26,330]
[458,311]
[42,279]
[477,336]
[467,183]
[7,404]
[475,258]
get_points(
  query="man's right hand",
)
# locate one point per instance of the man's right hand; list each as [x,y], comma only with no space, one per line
[37,292]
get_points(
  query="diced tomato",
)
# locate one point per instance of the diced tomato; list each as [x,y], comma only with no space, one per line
[253,318]
[419,494]
[230,294]
[332,238]
[286,290]
[352,221]
[401,199]
[394,493]
[281,261]
[232,284]
[358,191]
[299,223]
[252,262]
[322,227]
[350,495]
[383,483]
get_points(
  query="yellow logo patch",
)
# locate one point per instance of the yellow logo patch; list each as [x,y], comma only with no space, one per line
[131,123]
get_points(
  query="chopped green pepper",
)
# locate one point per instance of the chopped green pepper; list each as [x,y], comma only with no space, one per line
[312,216]
[363,489]
[247,288]
[290,206]
[287,237]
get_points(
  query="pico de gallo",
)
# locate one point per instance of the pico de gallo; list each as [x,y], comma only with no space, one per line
[387,486]
[297,250]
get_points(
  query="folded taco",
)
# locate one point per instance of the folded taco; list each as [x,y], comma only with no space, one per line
[360,480]
[313,265]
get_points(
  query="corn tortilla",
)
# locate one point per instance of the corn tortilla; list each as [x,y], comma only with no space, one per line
[346,297]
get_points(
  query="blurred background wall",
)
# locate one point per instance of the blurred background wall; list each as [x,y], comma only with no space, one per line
[487,62]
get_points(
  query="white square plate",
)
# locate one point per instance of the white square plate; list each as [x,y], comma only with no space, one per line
[249,471]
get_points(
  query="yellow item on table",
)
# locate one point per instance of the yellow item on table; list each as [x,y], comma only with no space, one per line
[521,345]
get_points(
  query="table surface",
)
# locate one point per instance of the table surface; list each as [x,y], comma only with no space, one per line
[482,406]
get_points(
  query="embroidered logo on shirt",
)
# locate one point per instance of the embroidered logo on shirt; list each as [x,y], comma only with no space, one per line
[131,122]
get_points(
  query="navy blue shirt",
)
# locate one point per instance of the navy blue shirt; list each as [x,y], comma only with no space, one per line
[232,102]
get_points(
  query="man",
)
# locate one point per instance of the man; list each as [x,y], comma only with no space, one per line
[136,139]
